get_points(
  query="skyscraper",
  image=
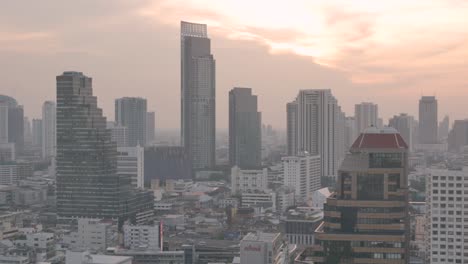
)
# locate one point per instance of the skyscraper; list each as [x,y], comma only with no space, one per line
[428,124]
[130,112]
[11,122]
[37,133]
[351,132]
[366,219]
[198,91]
[316,125]
[87,181]
[403,123]
[302,174]
[444,128]
[27,131]
[245,132]
[367,115]
[48,130]
[150,127]
[3,123]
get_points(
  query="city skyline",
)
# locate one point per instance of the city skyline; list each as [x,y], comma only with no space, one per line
[142,54]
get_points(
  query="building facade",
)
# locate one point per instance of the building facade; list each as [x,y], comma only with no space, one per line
[428,124]
[198,95]
[403,123]
[367,115]
[143,236]
[262,248]
[302,174]
[150,128]
[245,132]
[131,163]
[248,180]
[130,112]
[167,163]
[49,139]
[366,220]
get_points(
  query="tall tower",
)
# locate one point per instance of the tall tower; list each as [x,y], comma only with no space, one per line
[150,127]
[48,130]
[366,219]
[403,123]
[367,115]
[428,124]
[198,91]
[87,181]
[130,112]
[316,124]
[245,133]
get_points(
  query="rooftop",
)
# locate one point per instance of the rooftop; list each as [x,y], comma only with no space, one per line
[260,236]
[386,137]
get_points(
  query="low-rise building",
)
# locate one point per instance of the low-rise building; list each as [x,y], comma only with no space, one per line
[92,234]
[143,236]
[248,180]
[262,248]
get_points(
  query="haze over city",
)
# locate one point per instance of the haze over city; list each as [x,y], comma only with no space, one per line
[389,53]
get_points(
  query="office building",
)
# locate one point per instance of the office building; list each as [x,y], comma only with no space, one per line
[444,128]
[130,112]
[351,132]
[167,163]
[245,132]
[318,128]
[428,124]
[248,180]
[37,133]
[458,136]
[7,152]
[367,115]
[119,134]
[148,237]
[366,220]
[446,220]
[403,123]
[27,131]
[87,181]
[3,122]
[131,163]
[262,248]
[302,174]
[49,140]
[150,128]
[92,234]
[198,94]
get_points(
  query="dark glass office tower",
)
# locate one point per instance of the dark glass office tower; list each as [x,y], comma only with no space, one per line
[366,219]
[87,182]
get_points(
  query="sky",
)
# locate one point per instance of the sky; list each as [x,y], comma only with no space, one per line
[386,52]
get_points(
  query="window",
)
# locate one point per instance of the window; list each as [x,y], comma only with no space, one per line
[370,186]
[385,160]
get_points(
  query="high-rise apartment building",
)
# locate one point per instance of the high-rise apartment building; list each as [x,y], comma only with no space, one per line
[351,132]
[198,93]
[367,115]
[130,112]
[119,134]
[245,131]
[316,125]
[27,131]
[37,133]
[87,181]
[447,216]
[49,139]
[366,220]
[150,127]
[444,128]
[302,174]
[131,163]
[11,122]
[458,136]
[403,123]
[428,124]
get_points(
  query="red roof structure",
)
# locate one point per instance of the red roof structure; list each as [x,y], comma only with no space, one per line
[373,138]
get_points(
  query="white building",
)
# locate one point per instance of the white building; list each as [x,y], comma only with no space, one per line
[264,200]
[49,140]
[319,197]
[285,198]
[92,234]
[119,134]
[143,236]
[367,115]
[302,174]
[84,257]
[351,132]
[262,248]
[447,216]
[131,162]
[248,180]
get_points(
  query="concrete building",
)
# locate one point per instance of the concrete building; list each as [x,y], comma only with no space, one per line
[88,185]
[403,123]
[302,173]
[262,248]
[351,132]
[49,138]
[245,132]
[84,257]
[366,220]
[248,180]
[367,115]
[119,134]
[298,227]
[92,234]
[198,95]
[447,211]
[149,237]
[458,136]
[155,256]
[164,163]
[27,131]
[316,125]
[37,133]
[130,112]
[260,200]
[319,198]
[11,173]
[444,128]
[131,163]
[150,128]
[7,152]
[428,124]
[43,243]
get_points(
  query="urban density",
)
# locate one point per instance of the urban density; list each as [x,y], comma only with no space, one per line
[80,187]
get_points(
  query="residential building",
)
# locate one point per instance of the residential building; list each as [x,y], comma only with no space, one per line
[444,128]
[7,152]
[351,132]
[119,134]
[298,227]
[318,128]
[446,215]
[458,136]
[366,220]
[149,237]
[12,172]
[245,132]
[198,95]
[367,115]
[131,163]
[261,200]
[130,112]
[49,140]
[428,124]
[37,133]
[262,248]
[92,234]
[248,180]
[302,174]
[403,123]
[150,128]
